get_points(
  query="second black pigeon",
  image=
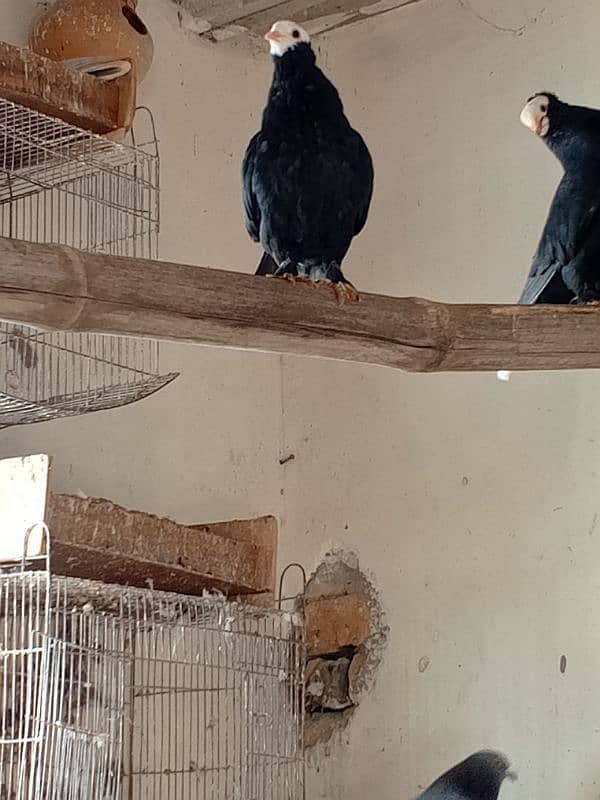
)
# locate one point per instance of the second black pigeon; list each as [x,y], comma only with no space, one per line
[307,175]
[566,265]
[478,777]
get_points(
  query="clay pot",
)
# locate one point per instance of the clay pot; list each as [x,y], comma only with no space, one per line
[109,29]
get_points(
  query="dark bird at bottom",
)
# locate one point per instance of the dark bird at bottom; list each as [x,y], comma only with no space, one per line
[307,174]
[478,777]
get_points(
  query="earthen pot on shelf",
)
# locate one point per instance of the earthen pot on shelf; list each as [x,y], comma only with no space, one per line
[107,29]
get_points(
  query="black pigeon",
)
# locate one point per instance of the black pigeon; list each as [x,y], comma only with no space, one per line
[307,175]
[566,266]
[478,777]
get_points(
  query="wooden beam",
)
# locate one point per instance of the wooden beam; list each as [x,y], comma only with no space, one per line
[56,90]
[54,287]
[221,19]
[97,539]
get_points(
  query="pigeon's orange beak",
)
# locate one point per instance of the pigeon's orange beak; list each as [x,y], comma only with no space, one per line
[273,36]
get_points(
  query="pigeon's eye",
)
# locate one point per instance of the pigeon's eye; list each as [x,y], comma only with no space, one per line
[544,108]
[296,34]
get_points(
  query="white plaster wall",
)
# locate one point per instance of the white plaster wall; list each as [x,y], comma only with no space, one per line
[475,505]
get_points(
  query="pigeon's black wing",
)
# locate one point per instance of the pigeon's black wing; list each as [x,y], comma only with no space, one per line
[573,217]
[478,777]
[252,213]
[251,208]
[313,199]
[363,183]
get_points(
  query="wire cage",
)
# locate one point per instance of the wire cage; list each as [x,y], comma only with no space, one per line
[109,692]
[60,184]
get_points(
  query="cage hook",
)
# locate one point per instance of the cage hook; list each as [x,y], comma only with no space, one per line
[46,531]
[150,115]
[293,565]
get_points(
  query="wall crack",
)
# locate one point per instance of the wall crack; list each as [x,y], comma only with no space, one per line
[467,6]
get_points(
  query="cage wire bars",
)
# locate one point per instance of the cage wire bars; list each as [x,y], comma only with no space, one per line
[60,184]
[109,692]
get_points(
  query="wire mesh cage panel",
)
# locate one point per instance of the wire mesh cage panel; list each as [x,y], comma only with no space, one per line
[23,607]
[62,185]
[78,722]
[110,693]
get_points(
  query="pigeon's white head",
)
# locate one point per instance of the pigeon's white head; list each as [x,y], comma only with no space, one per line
[535,115]
[284,36]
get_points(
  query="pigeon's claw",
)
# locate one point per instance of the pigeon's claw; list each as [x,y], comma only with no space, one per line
[345,293]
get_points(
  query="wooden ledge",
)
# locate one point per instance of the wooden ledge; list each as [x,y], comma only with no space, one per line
[58,91]
[97,539]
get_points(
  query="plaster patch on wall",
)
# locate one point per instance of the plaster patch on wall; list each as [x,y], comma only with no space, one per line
[337,682]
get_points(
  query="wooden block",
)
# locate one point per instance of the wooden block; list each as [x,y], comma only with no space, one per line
[333,623]
[97,539]
[263,533]
[56,90]
[23,489]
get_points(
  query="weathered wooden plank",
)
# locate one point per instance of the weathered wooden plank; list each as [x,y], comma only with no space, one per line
[333,623]
[23,489]
[97,539]
[52,88]
[51,286]
[224,18]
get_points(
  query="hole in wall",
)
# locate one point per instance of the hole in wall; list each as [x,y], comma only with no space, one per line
[338,679]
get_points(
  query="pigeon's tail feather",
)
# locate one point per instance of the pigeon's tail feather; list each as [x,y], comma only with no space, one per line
[503,375]
[478,777]
[266,265]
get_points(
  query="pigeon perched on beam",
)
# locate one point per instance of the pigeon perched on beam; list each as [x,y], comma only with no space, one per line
[307,175]
[478,777]
[566,265]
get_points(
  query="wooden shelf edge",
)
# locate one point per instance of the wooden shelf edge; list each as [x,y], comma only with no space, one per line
[97,539]
[56,90]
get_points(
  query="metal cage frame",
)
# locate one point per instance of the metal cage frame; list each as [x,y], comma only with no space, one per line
[60,184]
[111,692]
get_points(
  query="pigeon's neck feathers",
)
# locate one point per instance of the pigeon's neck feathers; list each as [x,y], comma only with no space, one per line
[574,138]
[294,62]
[300,92]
